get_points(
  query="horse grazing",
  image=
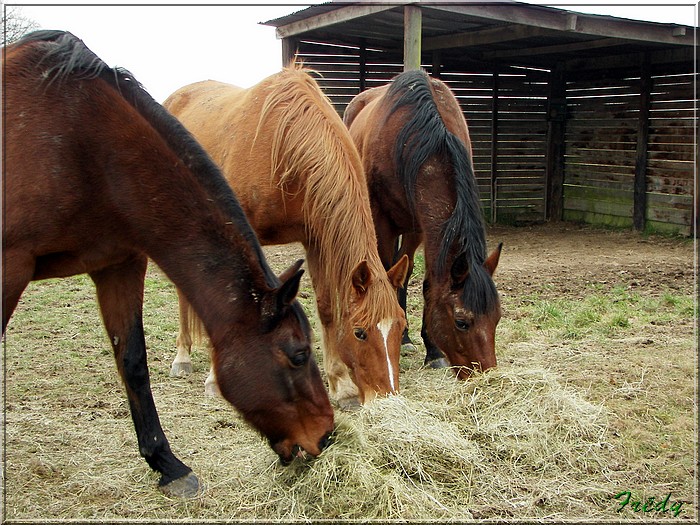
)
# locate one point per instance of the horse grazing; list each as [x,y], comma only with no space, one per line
[99,177]
[293,166]
[415,146]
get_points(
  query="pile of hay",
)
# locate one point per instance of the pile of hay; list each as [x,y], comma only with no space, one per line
[505,443]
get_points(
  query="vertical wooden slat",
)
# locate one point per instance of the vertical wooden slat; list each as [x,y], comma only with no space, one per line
[412,28]
[494,150]
[640,170]
[363,65]
[437,64]
[556,133]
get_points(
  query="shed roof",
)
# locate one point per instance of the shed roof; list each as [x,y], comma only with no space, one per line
[507,33]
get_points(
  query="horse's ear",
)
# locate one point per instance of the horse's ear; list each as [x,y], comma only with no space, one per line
[397,274]
[460,270]
[491,263]
[294,268]
[361,278]
[291,279]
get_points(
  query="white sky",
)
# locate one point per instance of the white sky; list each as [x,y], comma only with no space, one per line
[168,46]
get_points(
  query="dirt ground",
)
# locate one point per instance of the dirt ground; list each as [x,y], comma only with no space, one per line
[652,400]
[564,259]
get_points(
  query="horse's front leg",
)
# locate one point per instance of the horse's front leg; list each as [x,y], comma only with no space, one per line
[434,357]
[120,295]
[409,245]
[341,387]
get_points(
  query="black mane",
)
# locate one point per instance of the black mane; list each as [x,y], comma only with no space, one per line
[66,56]
[423,136]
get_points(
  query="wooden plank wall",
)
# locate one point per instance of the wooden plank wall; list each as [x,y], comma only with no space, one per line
[671,155]
[510,171]
[601,142]
[600,139]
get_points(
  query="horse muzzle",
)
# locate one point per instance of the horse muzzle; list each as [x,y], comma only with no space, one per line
[288,454]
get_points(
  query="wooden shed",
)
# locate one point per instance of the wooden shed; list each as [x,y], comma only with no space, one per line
[572,116]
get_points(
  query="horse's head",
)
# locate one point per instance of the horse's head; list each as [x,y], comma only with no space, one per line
[268,372]
[368,336]
[465,334]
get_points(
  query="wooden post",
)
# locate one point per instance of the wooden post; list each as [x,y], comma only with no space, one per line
[494,150]
[556,129]
[640,169]
[437,64]
[412,28]
[696,208]
[290,46]
[363,65]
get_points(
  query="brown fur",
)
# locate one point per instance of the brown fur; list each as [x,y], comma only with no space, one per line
[98,178]
[299,178]
[414,143]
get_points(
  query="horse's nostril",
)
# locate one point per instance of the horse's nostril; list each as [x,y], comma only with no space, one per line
[325,441]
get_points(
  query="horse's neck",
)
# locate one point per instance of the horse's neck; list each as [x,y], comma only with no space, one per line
[434,205]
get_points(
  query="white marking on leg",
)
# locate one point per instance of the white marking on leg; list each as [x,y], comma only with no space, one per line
[384,327]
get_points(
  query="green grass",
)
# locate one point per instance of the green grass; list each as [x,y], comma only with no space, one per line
[598,316]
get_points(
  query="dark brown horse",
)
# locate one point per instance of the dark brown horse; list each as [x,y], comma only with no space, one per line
[97,178]
[415,146]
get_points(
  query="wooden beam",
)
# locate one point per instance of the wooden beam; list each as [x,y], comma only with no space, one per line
[640,170]
[412,31]
[555,49]
[483,37]
[560,20]
[342,14]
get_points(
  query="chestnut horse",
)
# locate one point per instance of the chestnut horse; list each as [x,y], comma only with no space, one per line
[97,178]
[292,164]
[415,146]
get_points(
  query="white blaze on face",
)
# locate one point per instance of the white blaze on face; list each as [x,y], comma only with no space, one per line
[384,327]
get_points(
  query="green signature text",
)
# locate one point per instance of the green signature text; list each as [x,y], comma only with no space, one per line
[650,505]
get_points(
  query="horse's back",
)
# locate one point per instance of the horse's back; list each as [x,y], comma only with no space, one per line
[226,121]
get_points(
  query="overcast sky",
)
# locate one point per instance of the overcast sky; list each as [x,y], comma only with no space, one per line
[168,46]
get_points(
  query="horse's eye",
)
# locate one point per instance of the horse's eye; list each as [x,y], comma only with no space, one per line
[299,358]
[462,325]
[360,334]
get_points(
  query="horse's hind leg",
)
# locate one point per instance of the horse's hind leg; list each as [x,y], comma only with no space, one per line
[120,294]
[18,269]
[182,365]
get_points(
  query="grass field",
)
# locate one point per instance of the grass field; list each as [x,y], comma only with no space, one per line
[595,397]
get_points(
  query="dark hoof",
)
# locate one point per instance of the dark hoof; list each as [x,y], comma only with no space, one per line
[440,362]
[408,348]
[180,369]
[185,487]
[349,404]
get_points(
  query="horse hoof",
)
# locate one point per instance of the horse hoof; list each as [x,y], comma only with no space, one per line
[211,390]
[440,362]
[408,348]
[185,487]
[349,404]
[180,369]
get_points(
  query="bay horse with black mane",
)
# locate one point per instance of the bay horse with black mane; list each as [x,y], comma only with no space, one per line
[98,177]
[414,143]
[292,164]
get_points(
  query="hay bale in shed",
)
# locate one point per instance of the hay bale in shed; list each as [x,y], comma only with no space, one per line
[506,442]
